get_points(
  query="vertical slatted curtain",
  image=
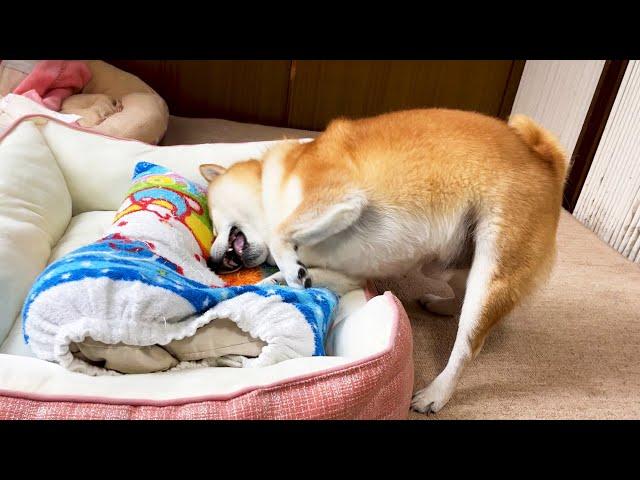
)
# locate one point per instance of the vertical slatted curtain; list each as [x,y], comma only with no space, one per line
[609,203]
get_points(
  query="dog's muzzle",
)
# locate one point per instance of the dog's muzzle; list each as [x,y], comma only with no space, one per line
[232,259]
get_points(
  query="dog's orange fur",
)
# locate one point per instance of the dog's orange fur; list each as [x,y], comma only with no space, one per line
[431,164]
[448,159]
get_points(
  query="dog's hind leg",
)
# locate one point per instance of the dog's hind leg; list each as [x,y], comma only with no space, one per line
[456,280]
[500,275]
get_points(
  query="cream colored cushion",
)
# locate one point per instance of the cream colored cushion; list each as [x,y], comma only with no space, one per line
[35,208]
[216,339]
[118,103]
[124,358]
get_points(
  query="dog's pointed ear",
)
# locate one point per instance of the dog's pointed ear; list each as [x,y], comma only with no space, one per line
[211,171]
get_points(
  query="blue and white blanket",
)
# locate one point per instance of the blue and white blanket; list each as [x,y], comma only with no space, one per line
[147,283]
[117,290]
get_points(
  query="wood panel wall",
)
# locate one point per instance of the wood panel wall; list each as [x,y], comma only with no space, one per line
[252,91]
[307,94]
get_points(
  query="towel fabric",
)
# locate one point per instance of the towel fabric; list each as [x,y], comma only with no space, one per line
[51,81]
[146,282]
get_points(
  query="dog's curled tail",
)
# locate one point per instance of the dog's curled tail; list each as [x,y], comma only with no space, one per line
[542,142]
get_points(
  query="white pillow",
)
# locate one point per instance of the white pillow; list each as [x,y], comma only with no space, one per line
[35,209]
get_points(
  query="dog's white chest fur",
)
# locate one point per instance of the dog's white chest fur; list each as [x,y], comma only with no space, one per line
[385,243]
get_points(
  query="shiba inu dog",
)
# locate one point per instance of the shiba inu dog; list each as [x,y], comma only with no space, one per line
[469,199]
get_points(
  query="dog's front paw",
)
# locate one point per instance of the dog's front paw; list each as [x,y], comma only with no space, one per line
[300,278]
[275,279]
[297,276]
[432,398]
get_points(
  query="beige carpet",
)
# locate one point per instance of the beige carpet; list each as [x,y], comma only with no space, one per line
[571,352]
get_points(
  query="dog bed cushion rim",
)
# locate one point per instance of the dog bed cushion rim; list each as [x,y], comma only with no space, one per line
[379,389]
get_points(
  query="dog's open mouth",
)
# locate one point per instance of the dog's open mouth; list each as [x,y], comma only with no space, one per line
[232,260]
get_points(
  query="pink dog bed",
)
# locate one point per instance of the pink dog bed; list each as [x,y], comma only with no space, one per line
[368,373]
[377,387]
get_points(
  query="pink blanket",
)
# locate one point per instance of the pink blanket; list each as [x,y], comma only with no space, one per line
[51,81]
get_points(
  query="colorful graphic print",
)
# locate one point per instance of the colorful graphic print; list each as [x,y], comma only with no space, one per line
[170,196]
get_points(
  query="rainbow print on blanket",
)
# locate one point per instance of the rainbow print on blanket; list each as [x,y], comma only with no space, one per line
[147,282]
[170,196]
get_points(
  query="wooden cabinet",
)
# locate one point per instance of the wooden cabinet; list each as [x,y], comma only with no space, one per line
[309,93]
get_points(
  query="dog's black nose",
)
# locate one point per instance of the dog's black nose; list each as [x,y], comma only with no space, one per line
[211,264]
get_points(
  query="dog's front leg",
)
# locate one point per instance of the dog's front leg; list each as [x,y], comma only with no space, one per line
[292,270]
[309,225]
[334,281]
